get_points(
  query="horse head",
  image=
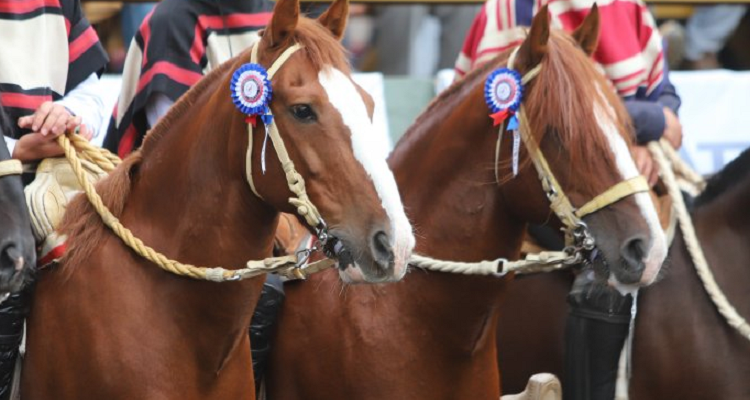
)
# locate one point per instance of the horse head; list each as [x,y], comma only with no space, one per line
[17,248]
[324,120]
[581,128]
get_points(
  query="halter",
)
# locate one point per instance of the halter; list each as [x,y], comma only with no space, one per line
[10,167]
[305,208]
[291,266]
[577,236]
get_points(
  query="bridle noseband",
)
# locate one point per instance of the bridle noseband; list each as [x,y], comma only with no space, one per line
[578,238]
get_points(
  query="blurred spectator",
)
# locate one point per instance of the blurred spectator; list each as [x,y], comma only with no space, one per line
[403,41]
[707,31]
[50,62]
[131,16]
[175,46]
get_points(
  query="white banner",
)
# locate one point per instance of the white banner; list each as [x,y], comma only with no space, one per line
[715,116]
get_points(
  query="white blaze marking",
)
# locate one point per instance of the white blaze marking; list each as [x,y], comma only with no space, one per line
[624,160]
[344,96]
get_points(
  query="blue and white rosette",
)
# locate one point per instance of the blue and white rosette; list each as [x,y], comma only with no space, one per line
[503,93]
[251,94]
[251,90]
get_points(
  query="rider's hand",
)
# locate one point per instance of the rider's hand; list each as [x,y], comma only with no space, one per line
[49,118]
[672,128]
[646,165]
[35,146]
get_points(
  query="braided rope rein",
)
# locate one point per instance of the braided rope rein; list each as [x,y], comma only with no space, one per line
[725,308]
[545,261]
[285,265]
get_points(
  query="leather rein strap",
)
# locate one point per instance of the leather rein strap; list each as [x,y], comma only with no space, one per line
[10,167]
[559,202]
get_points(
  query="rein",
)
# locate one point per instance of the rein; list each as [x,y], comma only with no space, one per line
[292,266]
[666,158]
[578,239]
[10,167]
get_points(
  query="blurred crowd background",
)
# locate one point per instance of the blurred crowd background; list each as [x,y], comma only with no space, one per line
[419,40]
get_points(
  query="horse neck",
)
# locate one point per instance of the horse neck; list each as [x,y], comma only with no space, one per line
[723,229]
[444,169]
[190,200]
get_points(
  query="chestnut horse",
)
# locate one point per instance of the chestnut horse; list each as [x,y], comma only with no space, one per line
[432,336]
[107,324]
[17,247]
[683,348]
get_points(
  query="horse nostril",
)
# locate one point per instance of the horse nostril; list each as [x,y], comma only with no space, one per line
[381,248]
[634,251]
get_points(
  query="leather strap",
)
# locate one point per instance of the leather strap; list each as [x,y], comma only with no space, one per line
[305,207]
[10,167]
[637,184]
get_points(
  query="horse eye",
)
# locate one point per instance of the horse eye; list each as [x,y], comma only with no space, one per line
[304,113]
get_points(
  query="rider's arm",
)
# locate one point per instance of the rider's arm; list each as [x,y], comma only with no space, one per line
[648,119]
[85,101]
[158,104]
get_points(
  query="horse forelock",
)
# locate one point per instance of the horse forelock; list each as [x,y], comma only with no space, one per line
[568,98]
[321,48]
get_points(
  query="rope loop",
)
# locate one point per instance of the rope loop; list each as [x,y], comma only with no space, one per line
[107,161]
[719,299]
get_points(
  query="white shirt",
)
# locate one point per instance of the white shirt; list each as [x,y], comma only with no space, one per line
[84,101]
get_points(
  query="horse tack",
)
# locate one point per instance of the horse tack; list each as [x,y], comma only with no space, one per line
[292,266]
[702,268]
[10,167]
[577,237]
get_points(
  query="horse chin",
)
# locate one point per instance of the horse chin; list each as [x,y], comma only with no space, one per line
[354,274]
[623,288]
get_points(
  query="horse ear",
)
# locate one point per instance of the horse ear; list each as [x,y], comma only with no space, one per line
[283,23]
[587,34]
[534,48]
[335,18]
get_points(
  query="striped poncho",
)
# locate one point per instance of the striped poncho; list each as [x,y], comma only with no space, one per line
[179,42]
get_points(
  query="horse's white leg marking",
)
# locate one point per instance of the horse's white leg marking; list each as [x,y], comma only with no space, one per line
[344,96]
[658,251]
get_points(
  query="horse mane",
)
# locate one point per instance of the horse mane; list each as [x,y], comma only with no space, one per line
[562,102]
[725,179]
[84,226]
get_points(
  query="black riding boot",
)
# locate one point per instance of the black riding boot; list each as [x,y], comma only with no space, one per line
[13,312]
[263,324]
[595,332]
